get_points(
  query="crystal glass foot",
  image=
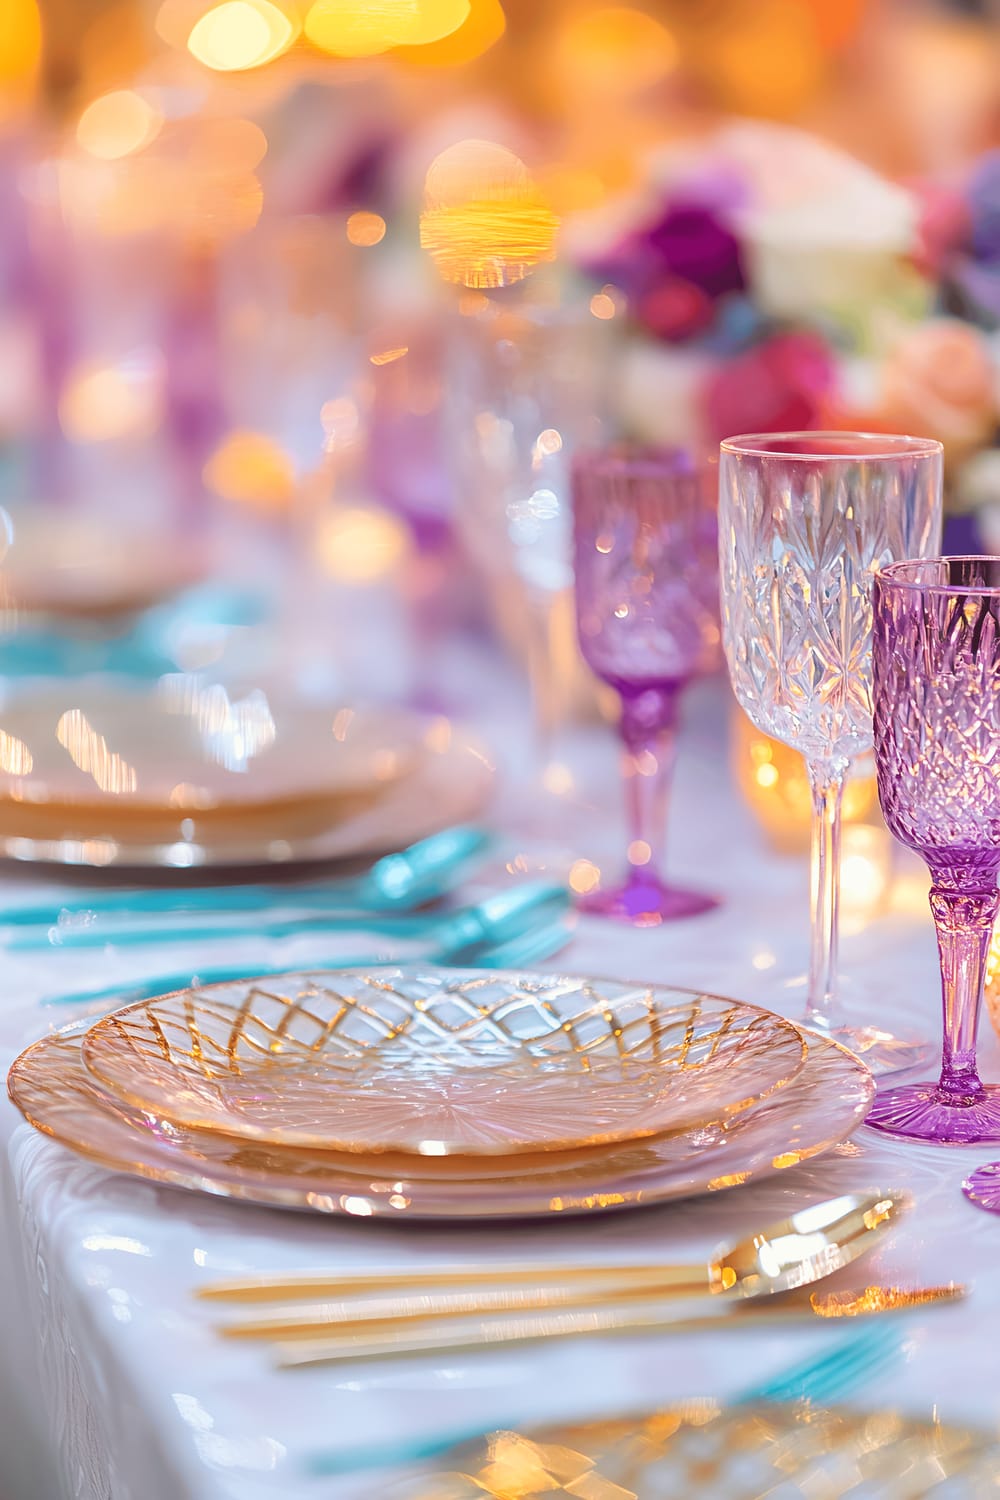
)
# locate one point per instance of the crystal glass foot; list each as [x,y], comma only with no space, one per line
[805,521]
[883,1051]
[646,903]
[936,661]
[982,1187]
[646,569]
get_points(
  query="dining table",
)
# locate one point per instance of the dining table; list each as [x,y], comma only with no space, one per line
[114,1382]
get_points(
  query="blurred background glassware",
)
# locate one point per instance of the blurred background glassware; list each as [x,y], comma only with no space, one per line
[936,659]
[529,385]
[646,550]
[805,520]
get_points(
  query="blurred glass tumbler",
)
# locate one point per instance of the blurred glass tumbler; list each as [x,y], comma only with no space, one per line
[937,753]
[528,387]
[647,616]
[805,521]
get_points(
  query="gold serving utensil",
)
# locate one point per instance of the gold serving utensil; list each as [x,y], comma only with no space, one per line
[468,1335]
[798,1250]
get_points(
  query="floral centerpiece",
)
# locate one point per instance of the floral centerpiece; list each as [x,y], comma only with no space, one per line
[771,281]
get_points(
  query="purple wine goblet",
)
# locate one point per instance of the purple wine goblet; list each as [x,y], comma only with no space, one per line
[646,569]
[936,699]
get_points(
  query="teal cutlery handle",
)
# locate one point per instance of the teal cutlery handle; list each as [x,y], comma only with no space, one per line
[397,881]
[133,937]
[504,931]
[493,920]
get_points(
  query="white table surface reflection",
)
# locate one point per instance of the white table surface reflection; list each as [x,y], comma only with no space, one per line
[135,1398]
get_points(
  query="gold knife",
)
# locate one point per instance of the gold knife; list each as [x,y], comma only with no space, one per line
[467,1335]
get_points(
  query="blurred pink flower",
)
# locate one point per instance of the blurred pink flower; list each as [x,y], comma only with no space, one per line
[939,381]
[782,384]
[942,228]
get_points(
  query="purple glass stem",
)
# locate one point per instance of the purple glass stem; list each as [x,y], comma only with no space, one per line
[648,730]
[964,923]
[647,616]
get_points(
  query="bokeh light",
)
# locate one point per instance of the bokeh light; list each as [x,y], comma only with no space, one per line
[117,124]
[102,403]
[360,28]
[485,222]
[241,34]
[616,50]
[251,469]
[20,52]
[365,228]
[482,28]
[360,546]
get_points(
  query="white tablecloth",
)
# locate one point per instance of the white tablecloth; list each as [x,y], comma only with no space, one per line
[110,1371]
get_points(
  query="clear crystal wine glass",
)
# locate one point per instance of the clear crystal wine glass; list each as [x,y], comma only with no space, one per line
[805,520]
[936,666]
[645,560]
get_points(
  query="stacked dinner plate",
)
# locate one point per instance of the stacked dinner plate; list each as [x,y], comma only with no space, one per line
[187,775]
[420,1092]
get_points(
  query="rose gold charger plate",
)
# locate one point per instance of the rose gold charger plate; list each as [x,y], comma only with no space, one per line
[817,1106]
[189,775]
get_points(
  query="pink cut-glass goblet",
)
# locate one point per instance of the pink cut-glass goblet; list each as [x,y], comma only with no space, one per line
[646,567]
[936,698]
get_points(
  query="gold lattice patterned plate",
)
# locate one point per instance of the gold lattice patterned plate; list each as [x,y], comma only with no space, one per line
[741,1453]
[442,1062]
[814,1111]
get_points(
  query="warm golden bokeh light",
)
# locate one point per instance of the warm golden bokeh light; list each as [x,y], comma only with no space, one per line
[360,546]
[365,228]
[240,34]
[584,876]
[614,50]
[758,57]
[483,27]
[251,469]
[90,751]
[20,52]
[367,28]
[388,356]
[117,124]
[485,221]
[103,403]
[15,757]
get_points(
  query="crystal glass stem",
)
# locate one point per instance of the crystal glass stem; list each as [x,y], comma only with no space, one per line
[964,922]
[826,779]
[648,729]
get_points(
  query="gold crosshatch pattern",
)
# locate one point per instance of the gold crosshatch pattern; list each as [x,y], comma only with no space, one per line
[741,1453]
[439,1064]
[816,1110]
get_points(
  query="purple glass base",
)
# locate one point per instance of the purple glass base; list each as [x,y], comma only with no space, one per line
[982,1187]
[647,903]
[921,1112]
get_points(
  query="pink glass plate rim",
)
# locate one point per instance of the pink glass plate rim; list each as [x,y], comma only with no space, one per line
[831,447]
